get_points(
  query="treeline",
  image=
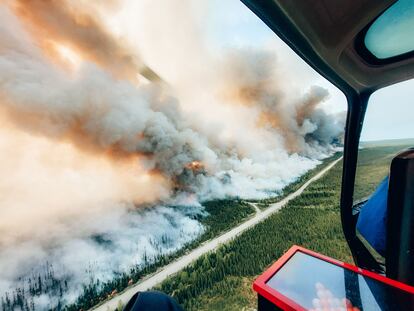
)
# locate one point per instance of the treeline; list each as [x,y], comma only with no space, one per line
[311,220]
[224,215]
[43,282]
[221,215]
[96,292]
[292,187]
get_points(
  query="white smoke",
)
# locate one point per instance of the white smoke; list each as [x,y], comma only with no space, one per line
[96,249]
[85,147]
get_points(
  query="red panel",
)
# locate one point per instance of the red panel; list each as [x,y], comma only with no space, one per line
[285,303]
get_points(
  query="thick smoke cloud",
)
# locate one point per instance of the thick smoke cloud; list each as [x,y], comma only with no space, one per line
[95,157]
[251,78]
[94,111]
[63,21]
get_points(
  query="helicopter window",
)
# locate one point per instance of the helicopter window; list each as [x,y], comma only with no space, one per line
[391,33]
[388,128]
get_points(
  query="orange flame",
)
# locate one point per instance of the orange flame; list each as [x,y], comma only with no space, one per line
[195,166]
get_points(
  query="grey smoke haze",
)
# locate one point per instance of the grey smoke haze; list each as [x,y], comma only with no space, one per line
[251,78]
[85,148]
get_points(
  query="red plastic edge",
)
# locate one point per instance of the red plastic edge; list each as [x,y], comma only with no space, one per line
[287,304]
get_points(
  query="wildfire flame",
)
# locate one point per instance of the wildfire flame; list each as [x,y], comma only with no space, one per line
[195,166]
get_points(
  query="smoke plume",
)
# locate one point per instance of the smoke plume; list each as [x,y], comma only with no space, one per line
[102,135]
[62,22]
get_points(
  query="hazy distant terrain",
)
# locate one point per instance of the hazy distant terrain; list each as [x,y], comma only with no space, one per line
[374,161]
[409,142]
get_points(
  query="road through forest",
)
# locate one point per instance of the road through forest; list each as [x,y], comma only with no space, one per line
[163,273]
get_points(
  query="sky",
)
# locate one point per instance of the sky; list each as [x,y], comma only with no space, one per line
[390,113]
[390,110]
[230,24]
[233,24]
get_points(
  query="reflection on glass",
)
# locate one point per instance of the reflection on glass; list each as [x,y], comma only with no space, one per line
[316,284]
[392,33]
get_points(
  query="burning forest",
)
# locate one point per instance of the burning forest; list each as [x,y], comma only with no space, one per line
[116,127]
